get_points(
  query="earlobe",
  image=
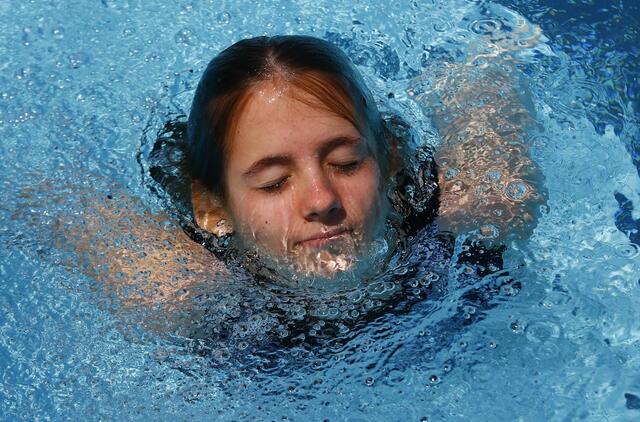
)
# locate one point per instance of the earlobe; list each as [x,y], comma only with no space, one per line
[208,210]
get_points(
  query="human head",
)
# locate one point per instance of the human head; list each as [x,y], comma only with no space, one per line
[313,74]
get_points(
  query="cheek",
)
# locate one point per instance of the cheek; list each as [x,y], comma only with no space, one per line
[256,218]
[362,195]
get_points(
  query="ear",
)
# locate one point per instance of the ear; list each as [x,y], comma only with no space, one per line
[208,210]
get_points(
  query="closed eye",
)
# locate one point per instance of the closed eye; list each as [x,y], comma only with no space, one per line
[275,186]
[348,167]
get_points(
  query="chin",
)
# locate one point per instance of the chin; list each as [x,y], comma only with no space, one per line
[324,263]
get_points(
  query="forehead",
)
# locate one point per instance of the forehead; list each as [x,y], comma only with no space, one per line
[276,116]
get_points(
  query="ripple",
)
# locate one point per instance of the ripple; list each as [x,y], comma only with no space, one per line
[626,250]
[486,26]
[442,26]
[542,331]
[481,372]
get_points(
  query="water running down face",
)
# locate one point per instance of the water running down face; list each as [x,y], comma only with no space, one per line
[301,183]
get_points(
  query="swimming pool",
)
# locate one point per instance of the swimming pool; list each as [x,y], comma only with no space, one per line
[87,86]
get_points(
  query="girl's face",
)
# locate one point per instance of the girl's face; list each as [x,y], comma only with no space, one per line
[301,183]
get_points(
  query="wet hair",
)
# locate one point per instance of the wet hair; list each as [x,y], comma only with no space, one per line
[314,66]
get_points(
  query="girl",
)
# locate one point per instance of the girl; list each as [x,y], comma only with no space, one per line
[288,151]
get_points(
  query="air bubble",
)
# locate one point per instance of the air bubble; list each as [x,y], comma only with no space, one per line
[127,32]
[185,36]
[516,327]
[489,231]
[369,381]
[23,73]
[77,60]
[57,33]
[401,271]
[493,176]
[451,173]
[516,190]
[223,17]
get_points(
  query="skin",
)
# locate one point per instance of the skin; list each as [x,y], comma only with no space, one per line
[300,182]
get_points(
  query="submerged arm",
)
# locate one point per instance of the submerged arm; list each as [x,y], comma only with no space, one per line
[143,263]
[144,258]
[487,180]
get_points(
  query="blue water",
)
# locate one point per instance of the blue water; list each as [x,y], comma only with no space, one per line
[85,87]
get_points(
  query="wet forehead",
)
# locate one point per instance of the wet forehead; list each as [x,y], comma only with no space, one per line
[274,122]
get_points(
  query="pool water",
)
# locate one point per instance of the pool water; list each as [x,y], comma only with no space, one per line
[86,87]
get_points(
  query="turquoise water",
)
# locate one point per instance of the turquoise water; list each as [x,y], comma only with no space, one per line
[87,86]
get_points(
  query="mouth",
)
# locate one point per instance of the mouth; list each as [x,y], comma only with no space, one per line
[322,240]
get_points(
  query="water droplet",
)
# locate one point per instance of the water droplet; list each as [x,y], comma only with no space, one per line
[434,379]
[369,381]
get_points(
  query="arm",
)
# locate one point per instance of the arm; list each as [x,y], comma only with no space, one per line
[144,258]
[487,180]
[144,267]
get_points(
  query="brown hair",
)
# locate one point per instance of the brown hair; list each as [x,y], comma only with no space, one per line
[313,66]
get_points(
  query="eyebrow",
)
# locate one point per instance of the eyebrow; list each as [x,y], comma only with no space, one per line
[286,160]
[338,142]
[263,163]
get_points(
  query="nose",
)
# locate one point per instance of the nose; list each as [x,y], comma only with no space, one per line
[320,201]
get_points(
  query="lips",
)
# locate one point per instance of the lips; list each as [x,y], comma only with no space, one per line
[324,239]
